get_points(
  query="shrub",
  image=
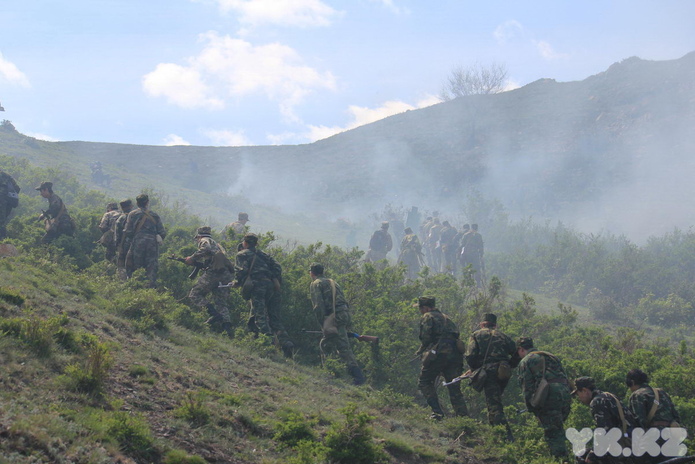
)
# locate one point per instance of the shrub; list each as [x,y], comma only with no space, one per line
[11,296]
[181,457]
[132,435]
[351,442]
[293,427]
[38,334]
[89,377]
[193,409]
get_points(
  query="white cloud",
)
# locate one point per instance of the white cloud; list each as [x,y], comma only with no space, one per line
[227,138]
[362,115]
[392,6]
[547,52]
[173,139]
[508,31]
[229,67]
[181,86]
[11,73]
[298,13]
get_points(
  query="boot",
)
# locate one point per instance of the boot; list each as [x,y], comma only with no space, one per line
[214,316]
[357,375]
[437,413]
[288,349]
[510,436]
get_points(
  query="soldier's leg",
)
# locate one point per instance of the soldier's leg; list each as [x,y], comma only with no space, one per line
[453,369]
[274,309]
[428,375]
[221,298]
[261,289]
[152,263]
[493,399]
[554,432]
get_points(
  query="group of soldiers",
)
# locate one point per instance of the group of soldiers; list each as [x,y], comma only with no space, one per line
[491,355]
[439,245]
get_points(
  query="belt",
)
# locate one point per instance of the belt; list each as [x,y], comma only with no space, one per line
[562,381]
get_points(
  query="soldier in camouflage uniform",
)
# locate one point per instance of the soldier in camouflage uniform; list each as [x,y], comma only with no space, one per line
[217,269]
[144,230]
[106,226]
[380,244]
[496,353]
[411,254]
[432,242]
[333,313]
[122,245]
[265,300]
[554,411]
[56,218]
[9,191]
[447,239]
[608,413]
[442,353]
[237,228]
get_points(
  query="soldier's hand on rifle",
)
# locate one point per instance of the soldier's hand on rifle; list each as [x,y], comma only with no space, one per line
[189,260]
[41,217]
[235,284]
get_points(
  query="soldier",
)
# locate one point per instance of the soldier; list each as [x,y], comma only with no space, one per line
[56,219]
[263,274]
[644,404]
[122,245]
[217,269]
[9,199]
[106,226]
[608,413]
[472,254]
[412,220]
[447,239]
[398,234]
[411,254]
[552,411]
[434,245]
[424,234]
[333,313]
[442,353]
[380,244]
[144,231]
[496,353]
[237,228]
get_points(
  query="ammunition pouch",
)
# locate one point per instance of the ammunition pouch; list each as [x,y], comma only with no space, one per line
[504,371]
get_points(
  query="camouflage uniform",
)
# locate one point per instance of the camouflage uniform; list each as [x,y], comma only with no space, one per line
[472,254]
[556,409]
[334,329]
[141,229]
[57,220]
[604,409]
[106,226]
[449,249]
[411,255]
[7,185]
[265,299]
[641,402]
[217,269]
[439,345]
[122,245]
[379,245]
[237,228]
[501,349]
[434,245]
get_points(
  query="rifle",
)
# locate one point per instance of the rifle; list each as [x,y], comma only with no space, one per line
[194,273]
[362,338]
[466,375]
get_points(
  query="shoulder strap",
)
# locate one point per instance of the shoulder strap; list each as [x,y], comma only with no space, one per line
[489,342]
[621,413]
[333,290]
[144,218]
[655,406]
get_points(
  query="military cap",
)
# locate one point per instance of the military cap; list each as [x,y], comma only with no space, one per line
[524,342]
[112,206]
[45,185]
[408,230]
[142,199]
[474,226]
[466,226]
[489,317]
[204,231]
[316,268]
[428,301]
[385,225]
[251,239]
[243,216]
[583,382]
[127,203]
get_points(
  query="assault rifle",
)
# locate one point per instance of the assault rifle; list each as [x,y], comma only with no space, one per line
[362,338]
[466,375]
[194,273]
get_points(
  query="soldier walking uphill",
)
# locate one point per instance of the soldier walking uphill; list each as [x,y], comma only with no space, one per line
[106,226]
[472,254]
[122,245]
[237,228]
[333,313]
[449,248]
[490,349]
[380,244]
[9,199]
[144,231]
[411,254]
[608,413]
[56,219]
[260,278]
[217,269]
[442,353]
[540,372]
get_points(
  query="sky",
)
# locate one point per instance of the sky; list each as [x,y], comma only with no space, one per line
[273,72]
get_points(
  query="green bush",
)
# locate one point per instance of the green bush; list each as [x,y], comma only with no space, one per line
[294,427]
[181,457]
[194,409]
[11,296]
[351,442]
[132,435]
[89,376]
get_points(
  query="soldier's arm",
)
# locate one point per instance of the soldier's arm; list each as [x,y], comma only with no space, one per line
[639,409]
[160,228]
[472,353]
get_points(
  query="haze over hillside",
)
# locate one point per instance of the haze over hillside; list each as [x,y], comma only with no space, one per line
[611,152]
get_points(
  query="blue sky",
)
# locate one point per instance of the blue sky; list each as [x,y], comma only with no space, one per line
[260,72]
